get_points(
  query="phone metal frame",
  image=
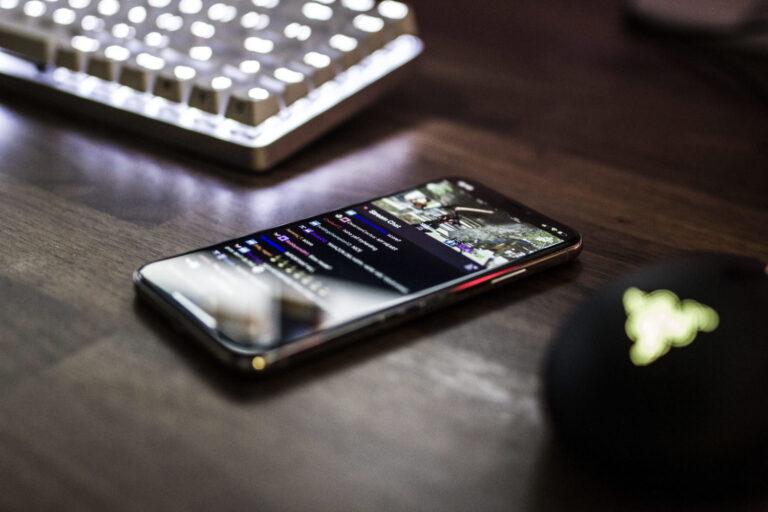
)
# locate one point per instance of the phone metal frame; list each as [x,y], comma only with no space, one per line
[254,360]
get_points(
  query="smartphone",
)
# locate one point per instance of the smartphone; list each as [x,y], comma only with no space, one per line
[268,298]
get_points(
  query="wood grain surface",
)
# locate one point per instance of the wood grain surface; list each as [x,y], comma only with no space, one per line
[645,148]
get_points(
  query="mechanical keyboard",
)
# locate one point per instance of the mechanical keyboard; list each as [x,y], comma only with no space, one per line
[245,81]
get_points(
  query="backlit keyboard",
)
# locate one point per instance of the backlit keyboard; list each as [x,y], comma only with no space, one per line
[244,81]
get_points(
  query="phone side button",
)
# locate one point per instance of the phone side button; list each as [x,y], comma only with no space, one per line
[507,276]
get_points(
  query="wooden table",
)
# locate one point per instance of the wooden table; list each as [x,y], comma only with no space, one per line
[646,149]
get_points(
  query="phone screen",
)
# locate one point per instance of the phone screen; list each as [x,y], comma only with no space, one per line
[275,286]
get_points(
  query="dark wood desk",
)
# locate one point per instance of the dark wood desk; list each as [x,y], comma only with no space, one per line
[647,150]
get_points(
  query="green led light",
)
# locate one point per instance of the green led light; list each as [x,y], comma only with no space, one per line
[659,320]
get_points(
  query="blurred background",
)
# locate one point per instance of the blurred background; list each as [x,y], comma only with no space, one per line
[647,138]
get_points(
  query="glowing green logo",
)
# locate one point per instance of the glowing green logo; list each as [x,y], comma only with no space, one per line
[659,320]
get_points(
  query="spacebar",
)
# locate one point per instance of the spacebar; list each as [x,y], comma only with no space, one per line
[28,43]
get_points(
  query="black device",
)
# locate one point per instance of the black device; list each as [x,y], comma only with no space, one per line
[262,299]
[661,376]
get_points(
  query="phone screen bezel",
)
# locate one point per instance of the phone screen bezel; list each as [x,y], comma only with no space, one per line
[571,241]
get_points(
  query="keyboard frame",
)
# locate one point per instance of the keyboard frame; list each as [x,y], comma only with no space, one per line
[248,148]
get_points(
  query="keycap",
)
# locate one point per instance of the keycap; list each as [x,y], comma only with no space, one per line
[369,30]
[323,67]
[252,106]
[348,49]
[73,54]
[102,67]
[174,83]
[139,72]
[31,43]
[68,57]
[398,17]
[210,94]
[293,84]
